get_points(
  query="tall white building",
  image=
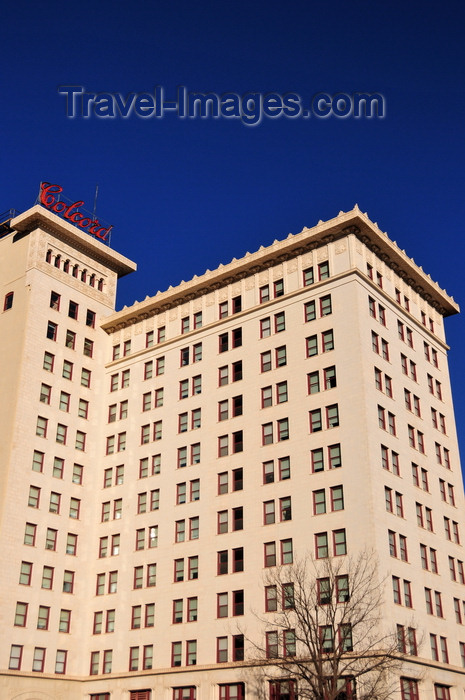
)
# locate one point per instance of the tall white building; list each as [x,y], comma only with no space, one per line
[159,460]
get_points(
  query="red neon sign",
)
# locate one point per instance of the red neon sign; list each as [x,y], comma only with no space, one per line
[48,197]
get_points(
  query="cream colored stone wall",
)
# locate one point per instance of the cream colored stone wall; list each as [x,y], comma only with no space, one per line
[362,476]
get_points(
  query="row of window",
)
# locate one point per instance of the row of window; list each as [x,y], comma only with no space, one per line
[390,462]
[402,300]
[224,310]
[412,402]
[226,691]
[64,401]
[283,689]
[70,339]
[51,539]
[194,354]
[197,321]
[150,501]
[398,542]
[381,347]
[277,645]
[61,433]
[54,504]
[73,309]
[74,269]
[58,467]
[125,347]
[273,470]
[38,659]
[227,374]
[43,617]
[47,580]
[67,370]
[226,408]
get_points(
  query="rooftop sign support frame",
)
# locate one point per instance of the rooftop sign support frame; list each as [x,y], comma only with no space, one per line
[51,197]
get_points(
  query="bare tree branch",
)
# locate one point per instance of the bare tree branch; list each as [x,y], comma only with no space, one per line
[323,629]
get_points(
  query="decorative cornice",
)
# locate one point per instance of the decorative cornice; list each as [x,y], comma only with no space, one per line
[350,223]
[39,217]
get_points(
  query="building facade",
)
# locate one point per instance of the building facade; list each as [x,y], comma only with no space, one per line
[159,460]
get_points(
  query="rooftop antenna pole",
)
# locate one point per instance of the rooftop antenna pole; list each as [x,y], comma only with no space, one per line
[95,201]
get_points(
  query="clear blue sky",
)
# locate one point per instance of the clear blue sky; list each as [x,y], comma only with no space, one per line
[186,195]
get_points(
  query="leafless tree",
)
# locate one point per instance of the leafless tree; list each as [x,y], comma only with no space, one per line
[323,630]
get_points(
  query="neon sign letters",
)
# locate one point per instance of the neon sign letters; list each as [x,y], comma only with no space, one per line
[49,198]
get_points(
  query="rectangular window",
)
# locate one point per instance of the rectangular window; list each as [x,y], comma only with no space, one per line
[272,650]
[48,362]
[25,573]
[329,377]
[238,559]
[278,288]
[265,360]
[88,349]
[317,460]
[283,429]
[269,516]
[310,311]
[311,345]
[74,508]
[38,660]
[65,621]
[284,468]
[334,456]
[265,327]
[83,408]
[281,357]
[148,370]
[264,294]
[270,554]
[21,615]
[308,277]
[191,646]
[70,339]
[325,305]
[315,420]
[332,416]
[319,502]
[313,382]
[326,638]
[51,539]
[323,271]
[279,322]
[238,647]
[30,534]
[287,556]
[337,498]
[55,301]
[194,528]
[321,545]
[61,434]
[41,426]
[85,377]
[236,304]
[327,341]
[52,330]
[80,442]
[71,544]
[339,542]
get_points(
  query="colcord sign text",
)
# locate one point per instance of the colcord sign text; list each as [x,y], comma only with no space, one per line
[49,198]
